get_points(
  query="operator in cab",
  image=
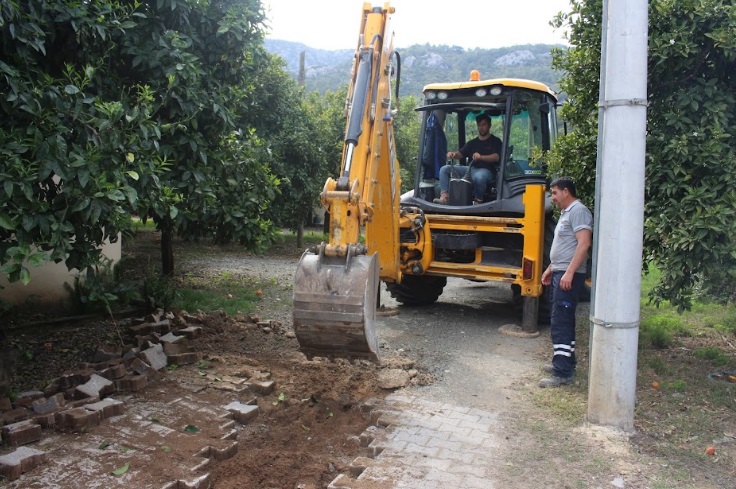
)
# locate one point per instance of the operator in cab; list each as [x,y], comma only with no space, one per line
[485,153]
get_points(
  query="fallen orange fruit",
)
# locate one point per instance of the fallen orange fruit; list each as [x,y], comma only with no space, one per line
[259,292]
[711,450]
[655,384]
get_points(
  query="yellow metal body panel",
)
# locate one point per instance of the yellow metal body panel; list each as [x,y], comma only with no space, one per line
[420,255]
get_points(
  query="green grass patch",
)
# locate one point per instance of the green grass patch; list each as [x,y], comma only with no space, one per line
[660,330]
[658,365]
[224,294]
[713,355]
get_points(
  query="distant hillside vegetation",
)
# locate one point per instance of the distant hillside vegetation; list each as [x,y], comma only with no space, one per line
[423,64]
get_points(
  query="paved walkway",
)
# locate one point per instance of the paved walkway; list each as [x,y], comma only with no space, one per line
[420,444]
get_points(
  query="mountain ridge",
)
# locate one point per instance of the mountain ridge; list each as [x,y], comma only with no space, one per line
[422,64]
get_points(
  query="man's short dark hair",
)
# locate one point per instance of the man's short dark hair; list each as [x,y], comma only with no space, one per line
[563,183]
[481,117]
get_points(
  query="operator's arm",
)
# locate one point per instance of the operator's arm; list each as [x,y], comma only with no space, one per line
[492,158]
[584,238]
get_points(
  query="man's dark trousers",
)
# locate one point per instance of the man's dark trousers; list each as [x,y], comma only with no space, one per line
[562,323]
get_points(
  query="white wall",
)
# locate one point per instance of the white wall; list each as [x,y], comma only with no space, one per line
[46,287]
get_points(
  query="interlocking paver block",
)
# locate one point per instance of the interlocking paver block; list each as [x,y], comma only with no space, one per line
[184,358]
[114,372]
[107,352]
[242,413]
[22,460]
[191,332]
[72,379]
[155,357]
[263,388]
[107,407]
[21,433]
[5,404]
[143,368]
[96,386]
[131,383]
[17,414]
[47,405]
[78,418]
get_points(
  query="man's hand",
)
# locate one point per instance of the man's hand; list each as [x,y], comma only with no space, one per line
[566,280]
[547,276]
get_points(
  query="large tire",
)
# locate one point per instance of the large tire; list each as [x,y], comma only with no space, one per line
[417,290]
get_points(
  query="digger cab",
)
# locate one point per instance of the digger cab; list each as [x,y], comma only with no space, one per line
[522,115]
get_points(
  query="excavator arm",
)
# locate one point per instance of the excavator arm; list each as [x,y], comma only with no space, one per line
[336,284]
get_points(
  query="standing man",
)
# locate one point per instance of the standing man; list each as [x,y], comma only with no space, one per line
[485,151]
[566,276]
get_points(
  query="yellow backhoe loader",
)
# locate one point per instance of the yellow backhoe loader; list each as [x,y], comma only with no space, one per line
[410,241]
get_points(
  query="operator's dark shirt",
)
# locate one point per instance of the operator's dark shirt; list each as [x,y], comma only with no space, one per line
[490,146]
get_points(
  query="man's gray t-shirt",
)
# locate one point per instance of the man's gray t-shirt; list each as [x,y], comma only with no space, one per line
[572,220]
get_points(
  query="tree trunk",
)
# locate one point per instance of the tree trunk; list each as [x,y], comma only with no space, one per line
[300,236]
[167,251]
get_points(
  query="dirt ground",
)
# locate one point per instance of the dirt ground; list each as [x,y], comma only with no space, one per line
[306,431]
[307,428]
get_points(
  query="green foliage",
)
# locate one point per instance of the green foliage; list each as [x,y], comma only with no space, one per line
[303,147]
[714,355]
[690,202]
[113,109]
[158,291]
[658,365]
[676,385]
[100,288]
[407,128]
[658,331]
[215,297]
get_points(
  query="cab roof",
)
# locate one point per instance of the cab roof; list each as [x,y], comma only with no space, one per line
[508,82]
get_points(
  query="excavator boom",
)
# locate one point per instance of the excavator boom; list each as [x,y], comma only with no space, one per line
[336,284]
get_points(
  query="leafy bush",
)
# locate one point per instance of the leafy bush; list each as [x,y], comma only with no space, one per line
[100,288]
[658,331]
[158,291]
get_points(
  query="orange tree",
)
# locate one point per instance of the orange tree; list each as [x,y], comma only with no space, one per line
[690,209]
[114,108]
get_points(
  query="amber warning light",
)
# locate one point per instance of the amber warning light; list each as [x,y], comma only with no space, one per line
[475,75]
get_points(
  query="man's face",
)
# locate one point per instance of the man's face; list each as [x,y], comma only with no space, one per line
[560,197]
[484,127]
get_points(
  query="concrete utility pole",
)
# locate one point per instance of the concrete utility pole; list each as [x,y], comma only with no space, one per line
[619,214]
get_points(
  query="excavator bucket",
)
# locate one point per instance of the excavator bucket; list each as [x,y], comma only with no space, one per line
[335,306]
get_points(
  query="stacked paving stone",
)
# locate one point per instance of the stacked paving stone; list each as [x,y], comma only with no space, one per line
[80,399]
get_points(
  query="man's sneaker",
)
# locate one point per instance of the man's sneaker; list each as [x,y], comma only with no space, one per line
[555,381]
[550,369]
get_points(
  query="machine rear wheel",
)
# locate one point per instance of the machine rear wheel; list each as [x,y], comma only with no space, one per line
[417,290]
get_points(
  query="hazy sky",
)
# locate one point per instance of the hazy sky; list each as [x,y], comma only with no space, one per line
[333,24]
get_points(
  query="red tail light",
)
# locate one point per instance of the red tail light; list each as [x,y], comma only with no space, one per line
[527,269]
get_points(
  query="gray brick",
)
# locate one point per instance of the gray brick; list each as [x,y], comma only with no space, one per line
[96,386]
[44,405]
[242,413]
[155,357]
[21,433]
[22,460]
[107,407]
